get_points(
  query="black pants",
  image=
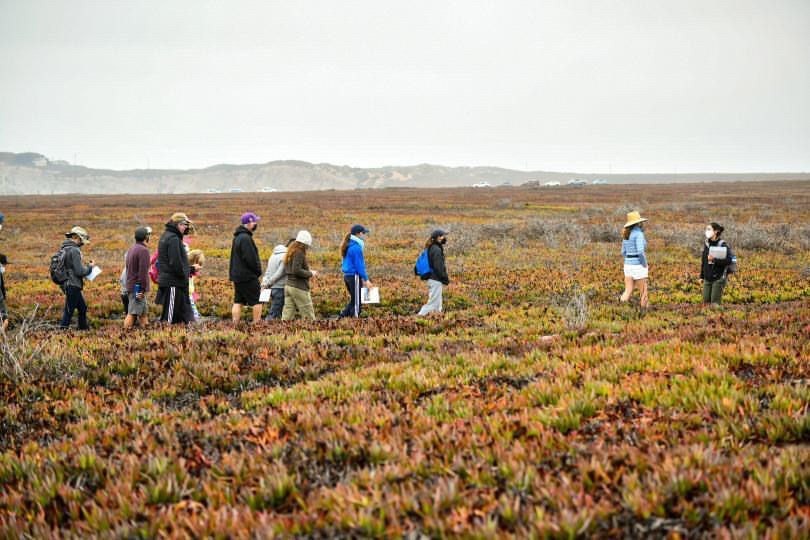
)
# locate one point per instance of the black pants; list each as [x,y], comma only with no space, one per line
[176,305]
[355,288]
[74,299]
[125,302]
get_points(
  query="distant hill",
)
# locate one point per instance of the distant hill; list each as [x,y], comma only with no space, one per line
[32,173]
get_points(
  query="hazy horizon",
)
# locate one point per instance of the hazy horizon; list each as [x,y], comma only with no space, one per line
[593,87]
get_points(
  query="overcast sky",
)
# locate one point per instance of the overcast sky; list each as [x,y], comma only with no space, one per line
[587,86]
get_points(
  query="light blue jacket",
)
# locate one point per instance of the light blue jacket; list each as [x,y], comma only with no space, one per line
[634,247]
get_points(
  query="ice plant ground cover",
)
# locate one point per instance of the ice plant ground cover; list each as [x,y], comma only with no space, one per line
[536,405]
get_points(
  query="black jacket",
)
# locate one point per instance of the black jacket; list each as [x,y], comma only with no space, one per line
[172,261]
[245,262]
[718,269]
[438,270]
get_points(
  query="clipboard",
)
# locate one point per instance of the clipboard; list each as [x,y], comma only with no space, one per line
[718,252]
[93,273]
[370,296]
[264,296]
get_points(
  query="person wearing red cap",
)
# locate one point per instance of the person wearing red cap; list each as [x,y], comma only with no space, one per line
[245,269]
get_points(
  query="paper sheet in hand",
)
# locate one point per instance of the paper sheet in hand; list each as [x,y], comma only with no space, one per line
[264,297]
[370,296]
[718,252]
[93,273]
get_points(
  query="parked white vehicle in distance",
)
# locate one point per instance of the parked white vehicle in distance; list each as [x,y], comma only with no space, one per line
[212,190]
[236,190]
[577,182]
[268,189]
[600,182]
[551,184]
[482,184]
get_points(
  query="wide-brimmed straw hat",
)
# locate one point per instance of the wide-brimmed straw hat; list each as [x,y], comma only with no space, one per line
[633,218]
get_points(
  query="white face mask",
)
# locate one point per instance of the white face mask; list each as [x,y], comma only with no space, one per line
[2,269]
[709,234]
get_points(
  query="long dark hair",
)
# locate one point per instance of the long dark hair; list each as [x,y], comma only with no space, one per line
[293,249]
[344,246]
[626,232]
[430,242]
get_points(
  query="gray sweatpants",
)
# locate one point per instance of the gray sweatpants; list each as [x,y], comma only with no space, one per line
[434,302]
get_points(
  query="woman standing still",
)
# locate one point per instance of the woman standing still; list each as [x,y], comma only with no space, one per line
[714,271]
[636,269]
[297,298]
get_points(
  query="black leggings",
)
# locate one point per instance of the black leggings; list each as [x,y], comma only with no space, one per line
[355,306]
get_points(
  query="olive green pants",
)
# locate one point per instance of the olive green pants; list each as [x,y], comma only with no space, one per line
[297,304]
[713,291]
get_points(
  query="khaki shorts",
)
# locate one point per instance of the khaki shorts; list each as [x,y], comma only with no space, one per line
[137,308]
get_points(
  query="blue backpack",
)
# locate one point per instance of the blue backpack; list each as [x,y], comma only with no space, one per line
[422,267]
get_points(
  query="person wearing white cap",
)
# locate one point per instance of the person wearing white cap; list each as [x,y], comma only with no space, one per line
[636,269]
[74,274]
[297,297]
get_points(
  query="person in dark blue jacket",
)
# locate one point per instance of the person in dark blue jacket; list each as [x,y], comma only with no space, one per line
[354,269]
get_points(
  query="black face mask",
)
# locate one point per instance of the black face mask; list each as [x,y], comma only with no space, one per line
[443,241]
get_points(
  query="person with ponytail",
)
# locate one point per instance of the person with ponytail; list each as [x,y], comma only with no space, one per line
[297,298]
[354,269]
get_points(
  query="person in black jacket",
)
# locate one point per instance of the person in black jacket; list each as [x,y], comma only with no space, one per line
[714,271]
[437,278]
[76,271]
[173,271]
[3,306]
[245,269]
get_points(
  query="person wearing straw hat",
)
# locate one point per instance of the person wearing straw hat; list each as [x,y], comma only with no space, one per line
[636,269]
[297,298]
[75,271]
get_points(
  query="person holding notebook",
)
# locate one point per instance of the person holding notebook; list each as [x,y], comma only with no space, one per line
[354,269]
[717,263]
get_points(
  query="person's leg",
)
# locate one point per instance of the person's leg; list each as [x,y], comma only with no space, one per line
[182,313]
[277,303]
[169,296]
[434,298]
[439,295]
[642,289]
[628,288]
[257,313]
[707,291]
[70,307]
[125,303]
[82,306]
[288,312]
[144,321]
[348,309]
[305,306]
[129,320]
[236,312]
[717,291]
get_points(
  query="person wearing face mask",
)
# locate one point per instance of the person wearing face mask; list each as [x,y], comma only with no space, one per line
[245,269]
[715,271]
[172,260]
[75,272]
[437,278]
[636,269]
[354,269]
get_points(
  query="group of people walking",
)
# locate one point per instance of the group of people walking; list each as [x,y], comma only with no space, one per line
[287,276]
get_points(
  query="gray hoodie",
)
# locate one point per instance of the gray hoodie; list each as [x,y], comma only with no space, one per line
[274,276]
[76,271]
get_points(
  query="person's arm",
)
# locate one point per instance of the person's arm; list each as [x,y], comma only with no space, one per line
[178,263]
[730,261]
[268,274]
[277,275]
[298,266]
[438,269]
[359,262]
[624,250]
[702,262]
[79,269]
[640,247]
[255,260]
[143,268]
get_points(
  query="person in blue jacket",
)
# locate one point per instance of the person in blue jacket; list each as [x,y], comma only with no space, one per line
[354,269]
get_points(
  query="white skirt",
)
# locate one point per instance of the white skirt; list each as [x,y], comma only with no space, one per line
[635,271]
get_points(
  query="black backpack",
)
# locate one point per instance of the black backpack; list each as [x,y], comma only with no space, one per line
[58,270]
